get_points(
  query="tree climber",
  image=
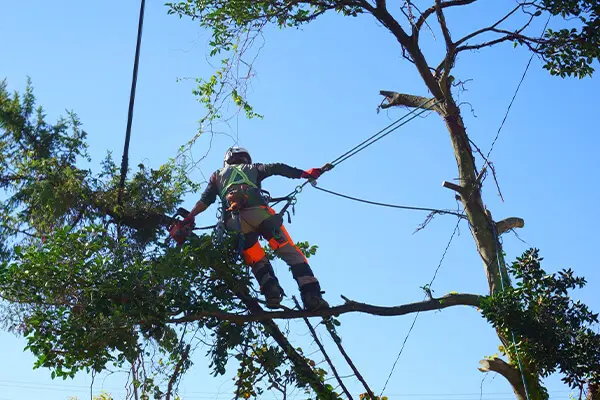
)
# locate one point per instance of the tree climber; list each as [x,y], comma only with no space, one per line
[238,184]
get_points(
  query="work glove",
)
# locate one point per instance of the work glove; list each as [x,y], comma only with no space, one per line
[313,173]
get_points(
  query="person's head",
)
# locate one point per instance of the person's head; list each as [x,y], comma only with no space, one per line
[237,155]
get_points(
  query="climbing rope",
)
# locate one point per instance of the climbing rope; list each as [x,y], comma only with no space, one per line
[414,113]
[422,108]
[434,210]
[125,160]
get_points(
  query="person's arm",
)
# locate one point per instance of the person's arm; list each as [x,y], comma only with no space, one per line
[199,207]
[208,197]
[280,169]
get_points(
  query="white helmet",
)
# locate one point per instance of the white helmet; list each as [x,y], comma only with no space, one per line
[237,155]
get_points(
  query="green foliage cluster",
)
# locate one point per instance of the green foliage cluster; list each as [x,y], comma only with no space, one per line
[571,52]
[91,284]
[553,332]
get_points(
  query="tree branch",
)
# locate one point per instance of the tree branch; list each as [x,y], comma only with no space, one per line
[178,366]
[508,35]
[395,99]
[141,220]
[492,27]
[506,370]
[338,342]
[452,186]
[448,300]
[509,223]
[320,345]
[442,20]
[448,62]
[427,13]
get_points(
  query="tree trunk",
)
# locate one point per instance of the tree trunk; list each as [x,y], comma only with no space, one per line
[470,193]
[593,392]
[481,224]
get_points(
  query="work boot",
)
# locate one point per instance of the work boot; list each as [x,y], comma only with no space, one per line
[273,295]
[313,301]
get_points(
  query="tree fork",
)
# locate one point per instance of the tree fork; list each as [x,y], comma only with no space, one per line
[303,370]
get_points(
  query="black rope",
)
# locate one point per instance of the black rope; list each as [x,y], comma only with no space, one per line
[437,211]
[363,145]
[125,160]
[378,136]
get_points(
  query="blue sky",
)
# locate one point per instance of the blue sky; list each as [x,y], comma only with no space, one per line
[318,89]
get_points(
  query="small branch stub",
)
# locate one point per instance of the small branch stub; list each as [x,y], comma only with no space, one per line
[452,186]
[509,223]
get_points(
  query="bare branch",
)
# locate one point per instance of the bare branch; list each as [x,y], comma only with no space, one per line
[508,224]
[492,27]
[508,35]
[508,371]
[395,99]
[427,13]
[350,306]
[442,20]
[448,61]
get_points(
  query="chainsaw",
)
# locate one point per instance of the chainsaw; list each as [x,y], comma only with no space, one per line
[180,230]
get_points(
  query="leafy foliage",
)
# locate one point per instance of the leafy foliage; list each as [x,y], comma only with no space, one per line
[91,284]
[571,52]
[553,332]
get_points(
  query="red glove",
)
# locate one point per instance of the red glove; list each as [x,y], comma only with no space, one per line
[312,173]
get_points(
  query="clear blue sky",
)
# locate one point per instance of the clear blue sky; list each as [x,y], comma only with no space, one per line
[318,89]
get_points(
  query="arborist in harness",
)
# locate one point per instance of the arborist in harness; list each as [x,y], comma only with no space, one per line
[238,184]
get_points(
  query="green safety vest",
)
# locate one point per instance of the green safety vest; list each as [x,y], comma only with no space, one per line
[236,177]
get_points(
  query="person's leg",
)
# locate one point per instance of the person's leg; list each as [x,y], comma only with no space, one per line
[280,241]
[255,257]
